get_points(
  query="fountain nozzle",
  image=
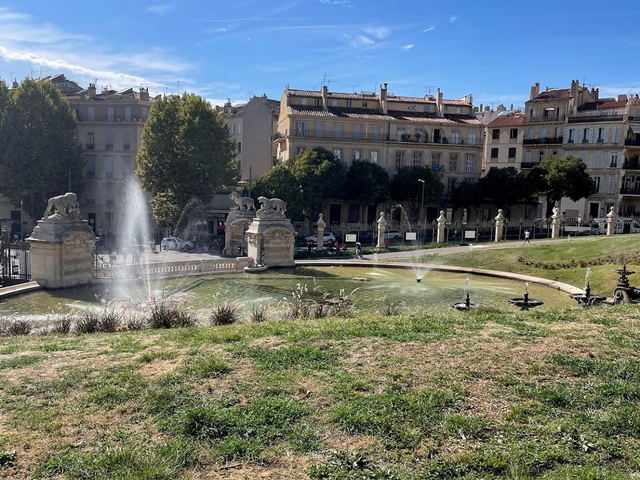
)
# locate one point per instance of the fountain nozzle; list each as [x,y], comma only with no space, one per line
[418,280]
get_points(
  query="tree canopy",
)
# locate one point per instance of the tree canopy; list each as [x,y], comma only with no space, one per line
[562,177]
[39,152]
[406,187]
[367,183]
[186,152]
[280,182]
[506,187]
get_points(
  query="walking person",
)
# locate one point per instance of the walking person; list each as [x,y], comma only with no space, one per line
[527,234]
[358,250]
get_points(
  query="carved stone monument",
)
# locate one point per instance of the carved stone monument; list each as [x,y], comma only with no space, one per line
[236,224]
[382,225]
[611,221]
[499,225]
[556,221]
[62,245]
[271,237]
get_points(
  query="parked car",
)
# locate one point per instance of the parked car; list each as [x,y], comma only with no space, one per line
[175,243]
[392,236]
[623,225]
[326,238]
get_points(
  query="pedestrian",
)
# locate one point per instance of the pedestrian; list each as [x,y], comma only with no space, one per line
[113,258]
[358,250]
[386,243]
[135,254]
[309,244]
[526,237]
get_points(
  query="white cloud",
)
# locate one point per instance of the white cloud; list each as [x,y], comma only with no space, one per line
[408,47]
[360,41]
[453,19]
[160,9]
[346,3]
[429,29]
[377,32]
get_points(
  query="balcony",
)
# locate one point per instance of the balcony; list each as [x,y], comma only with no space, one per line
[595,118]
[630,191]
[632,142]
[377,137]
[90,146]
[634,118]
[542,141]
[545,118]
[529,164]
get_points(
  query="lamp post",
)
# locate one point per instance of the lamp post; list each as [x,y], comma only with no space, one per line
[422,203]
[21,223]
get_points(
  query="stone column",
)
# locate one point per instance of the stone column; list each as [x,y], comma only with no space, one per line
[382,226]
[611,221]
[442,223]
[499,225]
[321,225]
[556,220]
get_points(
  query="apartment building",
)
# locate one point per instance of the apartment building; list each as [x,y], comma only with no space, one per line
[503,140]
[389,130]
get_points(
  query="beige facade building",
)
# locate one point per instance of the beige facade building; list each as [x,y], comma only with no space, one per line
[389,130]
[503,140]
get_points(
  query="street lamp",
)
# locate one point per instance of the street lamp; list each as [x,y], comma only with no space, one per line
[422,203]
[21,223]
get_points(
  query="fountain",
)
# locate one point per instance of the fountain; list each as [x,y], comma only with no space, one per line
[586,299]
[466,305]
[525,303]
[625,293]
[419,269]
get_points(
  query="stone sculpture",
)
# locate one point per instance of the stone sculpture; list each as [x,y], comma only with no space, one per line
[273,204]
[64,205]
[241,203]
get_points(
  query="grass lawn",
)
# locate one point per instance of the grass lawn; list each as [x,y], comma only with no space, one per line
[486,394]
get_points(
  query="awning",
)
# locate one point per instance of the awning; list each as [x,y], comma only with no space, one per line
[549,109]
[635,128]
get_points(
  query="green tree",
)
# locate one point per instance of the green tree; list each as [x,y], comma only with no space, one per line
[40,155]
[406,187]
[506,187]
[367,183]
[280,182]
[320,175]
[467,194]
[562,177]
[186,152]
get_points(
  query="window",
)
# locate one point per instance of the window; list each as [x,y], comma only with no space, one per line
[348,103]
[529,133]
[615,134]
[453,162]
[543,133]
[354,213]
[90,141]
[571,136]
[399,159]
[470,166]
[357,131]
[320,129]
[89,194]
[374,156]
[91,114]
[527,157]
[375,132]
[364,104]
[145,114]
[556,132]
[585,135]
[541,155]
[427,108]
[357,155]
[495,134]
[597,181]
[127,114]
[417,158]
[451,184]
[303,101]
[109,194]
[90,169]
[400,133]
[302,128]
[494,153]
[337,153]
[299,150]
[109,141]
[412,108]
[435,161]
[471,137]
[334,102]
[337,130]
[512,152]
[109,114]
[126,167]
[614,160]
[126,141]
[239,147]
[598,160]
[455,136]
[108,167]
[316,102]
[513,133]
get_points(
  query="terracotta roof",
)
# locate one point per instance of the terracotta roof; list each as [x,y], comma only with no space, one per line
[508,120]
[603,103]
[553,94]
[274,104]
[429,99]
[369,114]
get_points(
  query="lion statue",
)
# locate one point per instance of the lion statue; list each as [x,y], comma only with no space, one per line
[273,204]
[66,204]
[242,203]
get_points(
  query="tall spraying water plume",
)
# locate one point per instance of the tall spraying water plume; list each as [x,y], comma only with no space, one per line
[418,269]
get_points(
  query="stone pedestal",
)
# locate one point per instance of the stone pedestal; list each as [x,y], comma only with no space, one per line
[442,223]
[62,251]
[499,225]
[235,227]
[321,225]
[382,226]
[612,217]
[556,220]
[271,238]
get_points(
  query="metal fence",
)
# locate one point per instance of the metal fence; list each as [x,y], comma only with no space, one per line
[15,261]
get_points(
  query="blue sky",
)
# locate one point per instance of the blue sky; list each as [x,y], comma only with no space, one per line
[234,49]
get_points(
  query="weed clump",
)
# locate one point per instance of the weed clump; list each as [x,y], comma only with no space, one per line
[15,326]
[225,313]
[168,312]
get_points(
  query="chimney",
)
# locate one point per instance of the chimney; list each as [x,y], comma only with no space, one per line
[622,98]
[574,88]
[535,91]
[383,98]
[144,94]
[91,91]
[439,108]
[325,102]
[511,107]
[227,106]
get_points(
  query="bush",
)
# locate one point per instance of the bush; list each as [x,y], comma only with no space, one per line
[109,320]
[87,323]
[13,327]
[225,313]
[61,325]
[169,312]
[260,313]
[390,308]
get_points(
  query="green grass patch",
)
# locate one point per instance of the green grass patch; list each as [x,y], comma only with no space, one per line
[20,361]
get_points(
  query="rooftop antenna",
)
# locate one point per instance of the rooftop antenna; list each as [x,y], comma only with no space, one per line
[353,87]
[178,87]
[325,82]
[40,71]
[429,87]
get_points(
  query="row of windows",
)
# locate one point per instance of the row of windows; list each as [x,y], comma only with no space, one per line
[597,160]
[317,102]
[125,167]
[109,141]
[360,131]
[572,135]
[111,115]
